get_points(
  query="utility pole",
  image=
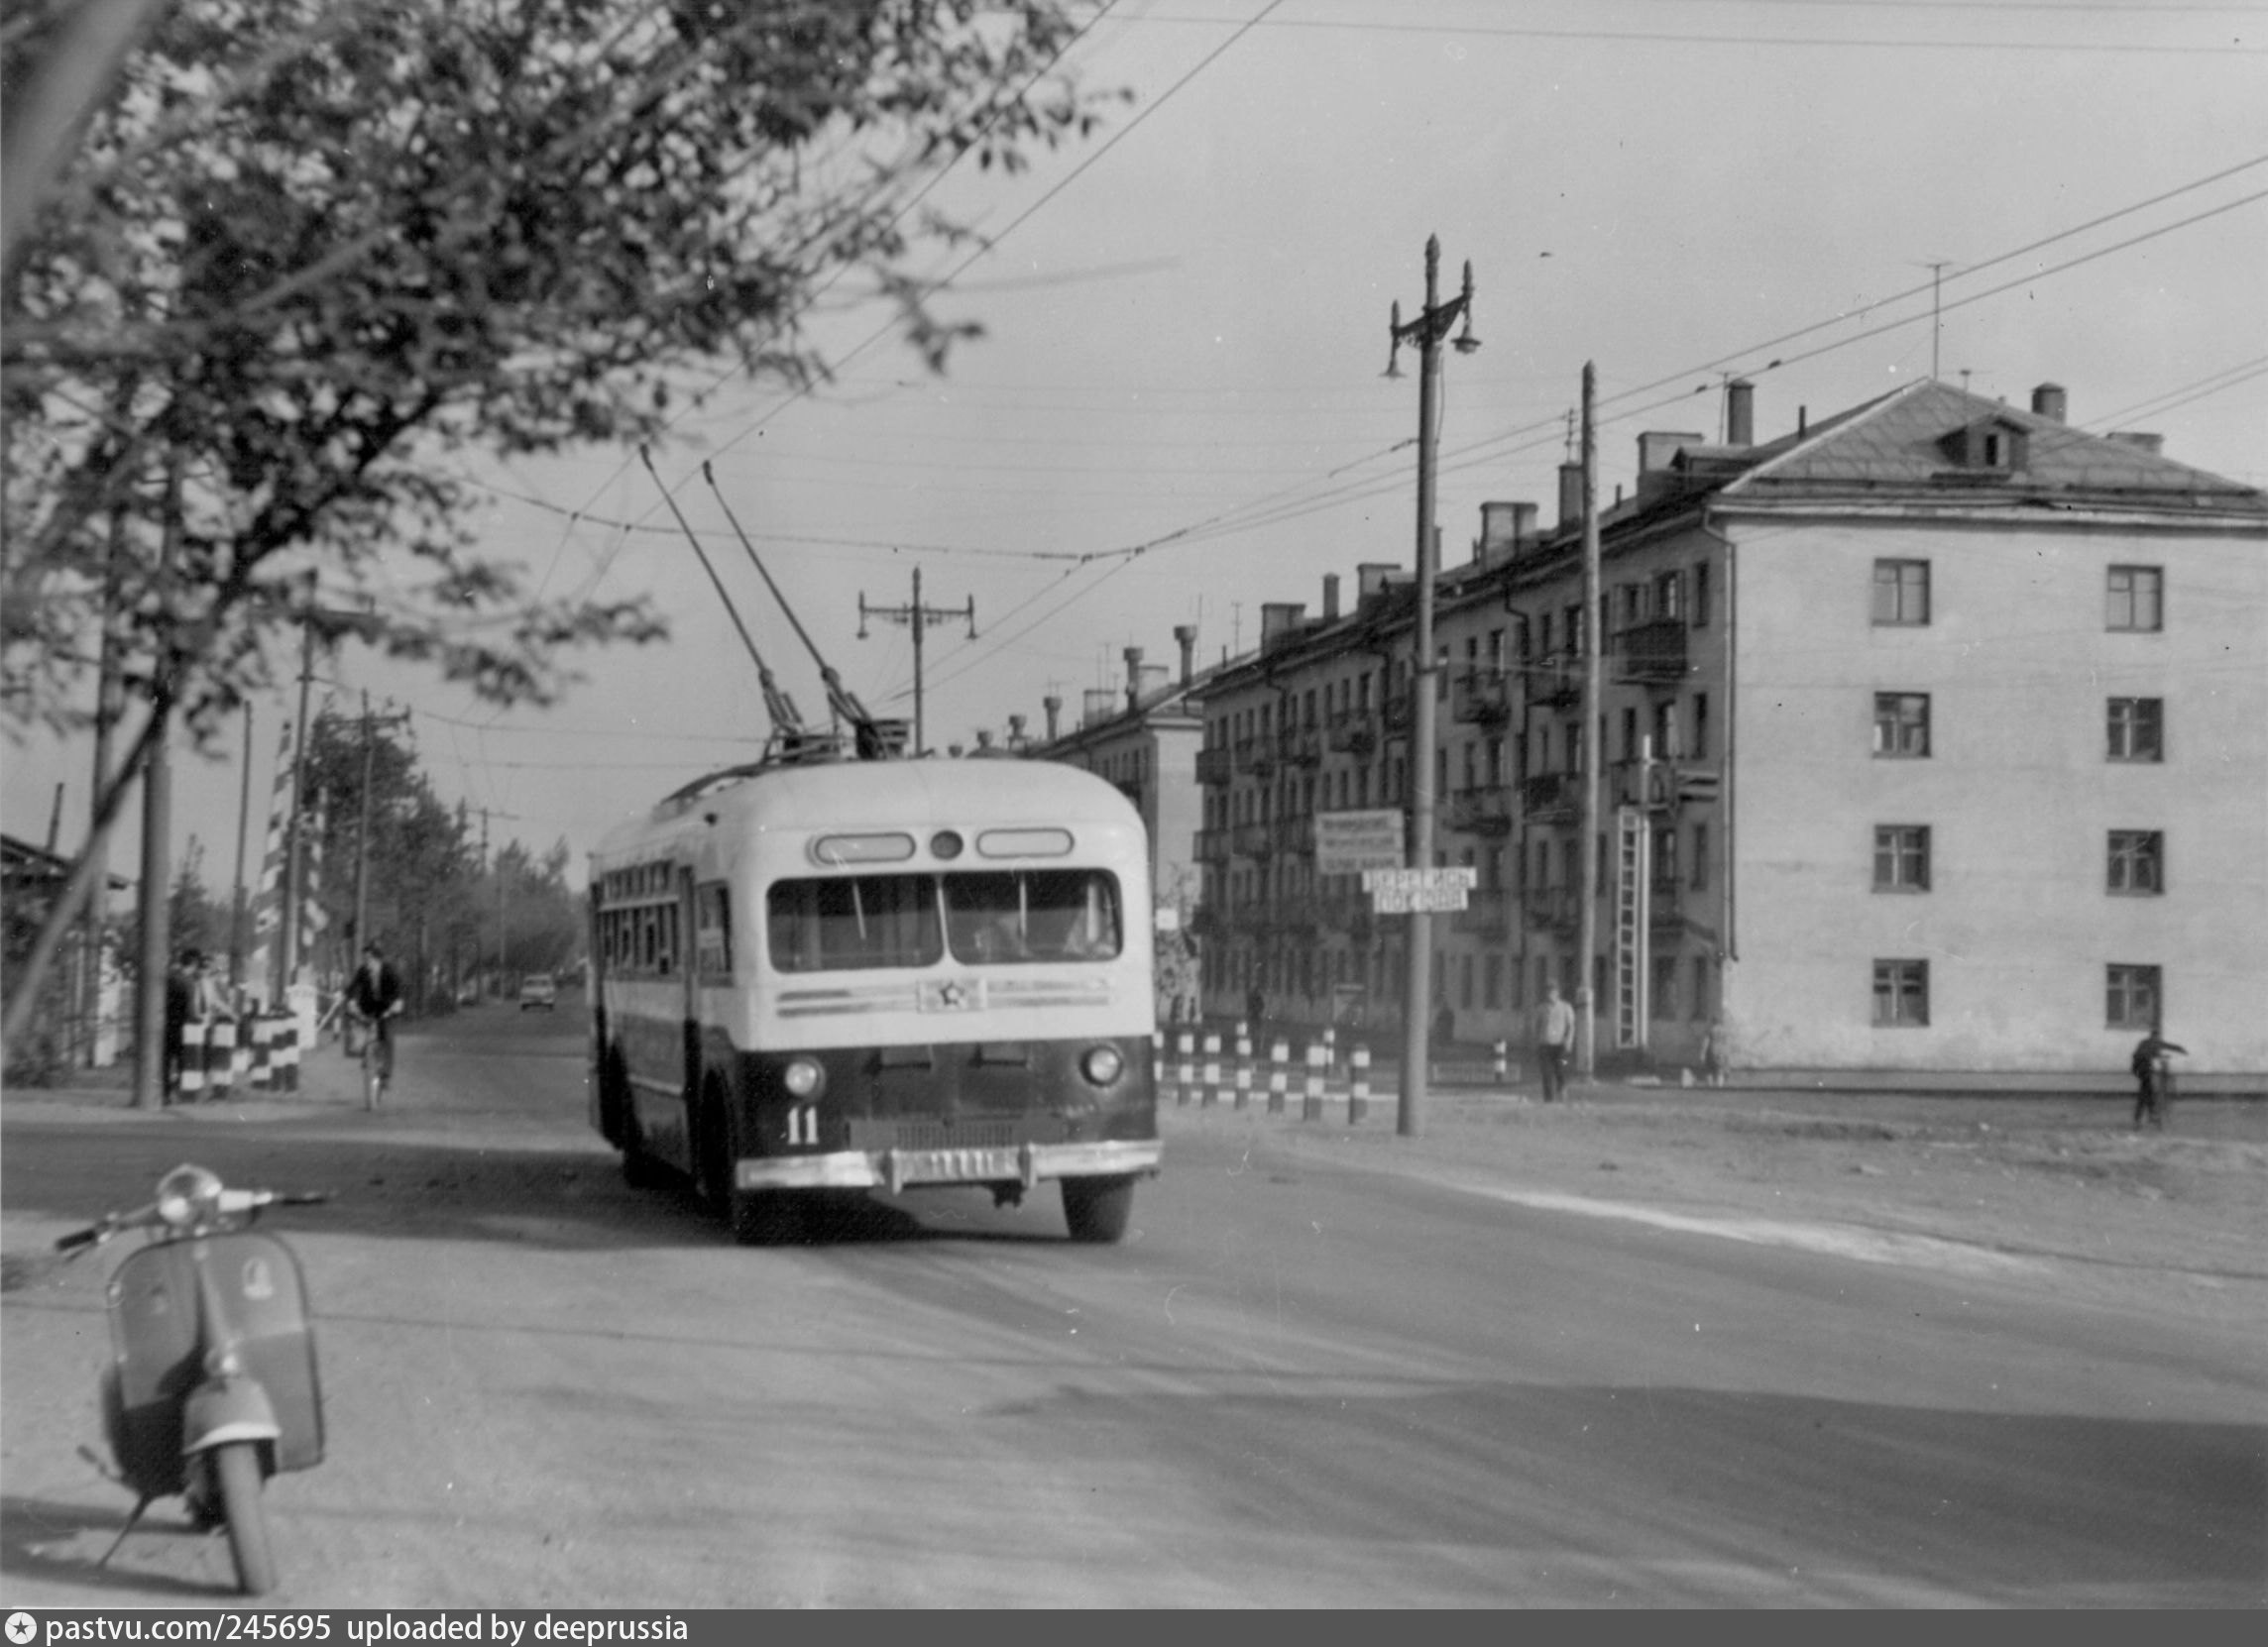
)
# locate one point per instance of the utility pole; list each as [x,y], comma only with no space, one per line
[370,725]
[497,869]
[156,826]
[287,942]
[1426,331]
[1587,740]
[237,908]
[917,618]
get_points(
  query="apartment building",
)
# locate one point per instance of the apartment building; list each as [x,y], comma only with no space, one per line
[1931,737]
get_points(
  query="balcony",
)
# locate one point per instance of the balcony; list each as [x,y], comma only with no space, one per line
[1652,654]
[1552,797]
[1212,846]
[1553,908]
[1662,906]
[1215,767]
[1296,836]
[1300,745]
[1352,732]
[1254,840]
[1479,812]
[1487,913]
[1480,698]
[1395,714]
[1555,682]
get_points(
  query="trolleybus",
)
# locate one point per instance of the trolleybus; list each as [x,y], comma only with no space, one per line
[853,975]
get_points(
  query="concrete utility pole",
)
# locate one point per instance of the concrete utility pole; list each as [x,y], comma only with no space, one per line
[156,907]
[237,907]
[1426,331]
[1587,740]
[917,618]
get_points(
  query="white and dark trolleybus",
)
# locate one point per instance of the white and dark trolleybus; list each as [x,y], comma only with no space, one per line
[856,975]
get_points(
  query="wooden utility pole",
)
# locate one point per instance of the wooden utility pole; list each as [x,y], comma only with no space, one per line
[287,942]
[370,726]
[1426,331]
[1587,740]
[917,618]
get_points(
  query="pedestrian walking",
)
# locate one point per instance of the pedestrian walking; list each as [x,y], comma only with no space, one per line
[180,998]
[1713,1053]
[1554,1042]
[2154,1080]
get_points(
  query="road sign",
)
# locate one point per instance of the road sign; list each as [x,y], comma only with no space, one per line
[1407,891]
[1352,843]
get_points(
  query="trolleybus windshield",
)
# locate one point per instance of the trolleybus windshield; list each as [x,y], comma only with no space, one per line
[987,916]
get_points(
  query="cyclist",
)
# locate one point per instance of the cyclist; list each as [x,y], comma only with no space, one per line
[374,996]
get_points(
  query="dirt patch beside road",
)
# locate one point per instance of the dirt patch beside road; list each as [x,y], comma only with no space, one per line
[2172,1220]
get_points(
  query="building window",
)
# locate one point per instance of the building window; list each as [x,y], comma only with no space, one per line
[1901,994]
[1700,749]
[1700,856]
[1901,857]
[1701,594]
[1901,592]
[2137,862]
[1902,724]
[2135,598]
[2137,728]
[1663,1004]
[2131,997]
[1669,596]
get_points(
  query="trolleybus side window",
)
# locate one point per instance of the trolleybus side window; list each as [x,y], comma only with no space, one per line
[851,923]
[712,934]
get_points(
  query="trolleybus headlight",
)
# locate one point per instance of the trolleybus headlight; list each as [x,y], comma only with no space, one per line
[1102,1065]
[803,1078]
[945,844]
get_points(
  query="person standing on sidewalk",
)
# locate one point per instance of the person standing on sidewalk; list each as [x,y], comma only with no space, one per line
[1554,1042]
[2153,1080]
[180,996]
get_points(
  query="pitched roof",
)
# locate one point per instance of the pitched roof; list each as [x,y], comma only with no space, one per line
[1907,441]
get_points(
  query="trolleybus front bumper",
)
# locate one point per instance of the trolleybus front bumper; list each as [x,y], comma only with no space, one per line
[895,1169]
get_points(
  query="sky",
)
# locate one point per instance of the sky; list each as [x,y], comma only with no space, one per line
[1178,411]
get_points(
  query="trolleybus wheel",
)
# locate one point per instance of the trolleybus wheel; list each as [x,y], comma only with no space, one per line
[1096,1209]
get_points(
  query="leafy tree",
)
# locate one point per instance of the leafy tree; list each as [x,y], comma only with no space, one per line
[308,255]
[196,919]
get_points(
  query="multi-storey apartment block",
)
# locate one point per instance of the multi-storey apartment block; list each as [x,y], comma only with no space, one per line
[1932,738]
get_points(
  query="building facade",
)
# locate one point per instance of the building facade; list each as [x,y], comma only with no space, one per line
[1931,739]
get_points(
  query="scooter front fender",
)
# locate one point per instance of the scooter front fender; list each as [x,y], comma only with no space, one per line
[226,1410]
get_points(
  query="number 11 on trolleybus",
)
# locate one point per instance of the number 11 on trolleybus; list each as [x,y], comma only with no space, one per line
[878,974]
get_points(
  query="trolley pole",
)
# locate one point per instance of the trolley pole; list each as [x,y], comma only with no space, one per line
[918,618]
[1426,332]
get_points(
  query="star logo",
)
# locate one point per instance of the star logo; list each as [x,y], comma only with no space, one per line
[21,1627]
[953,995]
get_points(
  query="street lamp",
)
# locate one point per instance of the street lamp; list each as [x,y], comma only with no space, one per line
[1427,332]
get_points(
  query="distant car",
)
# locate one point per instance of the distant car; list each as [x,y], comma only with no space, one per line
[538,993]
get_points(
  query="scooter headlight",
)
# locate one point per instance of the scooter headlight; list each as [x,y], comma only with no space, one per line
[188,1195]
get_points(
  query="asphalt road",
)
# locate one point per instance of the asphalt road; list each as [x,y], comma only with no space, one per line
[1299,1382]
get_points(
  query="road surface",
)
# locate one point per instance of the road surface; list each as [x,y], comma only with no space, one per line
[1302,1381]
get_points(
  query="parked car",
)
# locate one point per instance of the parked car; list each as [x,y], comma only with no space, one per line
[538,993]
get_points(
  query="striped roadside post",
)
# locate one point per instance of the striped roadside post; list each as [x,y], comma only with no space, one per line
[1243,1066]
[1186,1044]
[1311,1101]
[1212,1067]
[1358,1086]
[192,1062]
[1278,1078]
[1503,1064]
[220,1056]
[284,1069]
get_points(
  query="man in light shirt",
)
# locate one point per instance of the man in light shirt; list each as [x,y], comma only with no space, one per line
[1554,1042]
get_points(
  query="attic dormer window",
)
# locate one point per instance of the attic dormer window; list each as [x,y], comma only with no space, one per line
[1993,445]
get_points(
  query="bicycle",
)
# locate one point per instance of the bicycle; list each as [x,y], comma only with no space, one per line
[376,1055]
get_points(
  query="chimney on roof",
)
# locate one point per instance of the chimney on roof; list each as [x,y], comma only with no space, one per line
[1279,618]
[2048,401]
[1016,738]
[1187,635]
[1570,493]
[1505,528]
[1330,598]
[984,740]
[1740,413]
[1054,706]
[1133,676]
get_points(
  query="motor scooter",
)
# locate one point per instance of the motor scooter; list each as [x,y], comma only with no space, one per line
[211,1385]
